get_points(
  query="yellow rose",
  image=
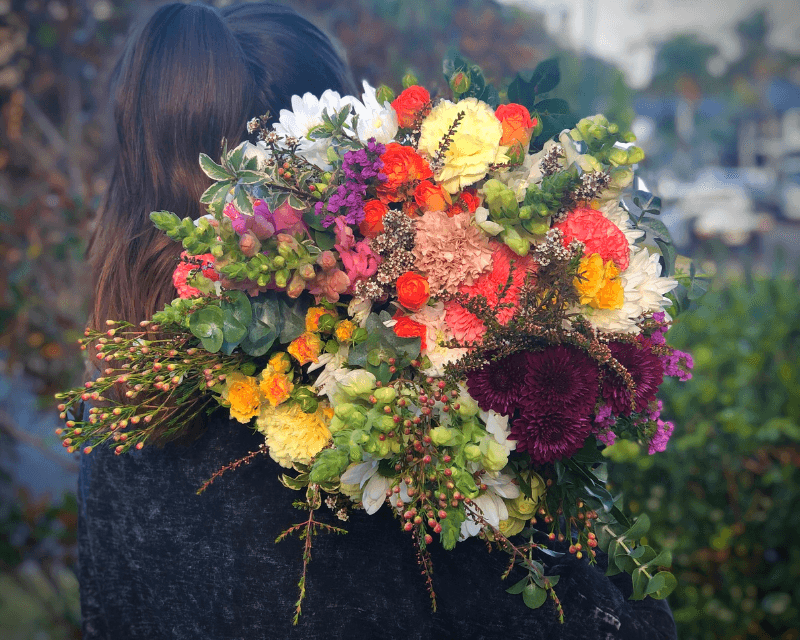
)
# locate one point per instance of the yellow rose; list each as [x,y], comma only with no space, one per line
[293,435]
[244,396]
[306,348]
[474,145]
[275,386]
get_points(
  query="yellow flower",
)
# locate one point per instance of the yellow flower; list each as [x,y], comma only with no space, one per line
[293,435]
[599,285]
[313,316]
[473,147]
[344,330]
[275,386]
[306,348]
[280,362]
[511,526]
[244,396]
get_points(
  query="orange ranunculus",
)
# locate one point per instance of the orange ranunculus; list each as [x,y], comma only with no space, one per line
[517,129]
[432,197]
[411,105]
[467,200]
[403,168]
[372,224]
[413,290]
[314,315]
[306,348]
[405,327]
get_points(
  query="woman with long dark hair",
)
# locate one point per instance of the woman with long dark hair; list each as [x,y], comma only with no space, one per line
[157,560]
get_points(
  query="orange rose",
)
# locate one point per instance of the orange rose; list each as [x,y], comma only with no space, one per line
[405,327]
[411,105]
[517,129]
[432,197]
[412,291]
[403,168]
[372,224]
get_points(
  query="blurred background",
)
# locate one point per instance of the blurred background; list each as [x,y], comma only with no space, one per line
[712,90]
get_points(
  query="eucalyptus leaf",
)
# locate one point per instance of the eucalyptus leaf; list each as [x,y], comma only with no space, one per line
[533,596]
[639,528]
[518,587]
[661,585]
[669,254]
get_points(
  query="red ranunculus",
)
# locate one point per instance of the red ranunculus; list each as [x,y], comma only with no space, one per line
[405,327]
[403,168]
[413,290]
[411,105]
[372,224]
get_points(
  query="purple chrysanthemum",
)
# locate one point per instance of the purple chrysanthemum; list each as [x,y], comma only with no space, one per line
[498,385]
[548,437]
[559,379]
[646,370]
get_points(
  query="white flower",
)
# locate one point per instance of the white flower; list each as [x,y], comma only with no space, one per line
[643,292]
[375,120]
[437,332]
[529,172]
[497,427]
[490,227]
[358,310]
[491,505]
[333,371]
[306,114]
[373,485]
[612,210]
[258,151]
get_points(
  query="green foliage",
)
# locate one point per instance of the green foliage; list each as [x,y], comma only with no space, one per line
[723,497]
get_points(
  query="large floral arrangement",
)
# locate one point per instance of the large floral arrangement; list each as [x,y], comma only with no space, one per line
[441,307]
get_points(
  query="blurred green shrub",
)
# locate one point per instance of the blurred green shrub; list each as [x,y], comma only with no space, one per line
[725,496]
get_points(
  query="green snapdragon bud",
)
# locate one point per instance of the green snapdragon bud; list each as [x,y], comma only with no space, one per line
[384,94]
[460,83]
[282,277]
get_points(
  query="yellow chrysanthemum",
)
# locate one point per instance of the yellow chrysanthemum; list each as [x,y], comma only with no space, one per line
[293,435]
[599,285]
[473,147]
[344,330]
[244,396]
[275,386]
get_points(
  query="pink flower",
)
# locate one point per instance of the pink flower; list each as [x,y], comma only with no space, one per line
[464,325]
[204,263]
[450,251]
[598,234]
[358,259]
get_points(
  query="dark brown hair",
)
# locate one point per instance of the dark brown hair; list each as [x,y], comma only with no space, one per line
[189,77]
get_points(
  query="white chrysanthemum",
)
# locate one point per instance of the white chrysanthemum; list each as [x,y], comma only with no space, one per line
[616,214]
[643,291]
[375,120]
[306,114]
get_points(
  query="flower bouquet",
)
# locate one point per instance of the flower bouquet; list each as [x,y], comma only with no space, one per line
[446,308]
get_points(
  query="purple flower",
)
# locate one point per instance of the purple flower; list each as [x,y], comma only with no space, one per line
[548,437]
[643,366]
[678,364]
[559,379]
[661,437]
[497,386]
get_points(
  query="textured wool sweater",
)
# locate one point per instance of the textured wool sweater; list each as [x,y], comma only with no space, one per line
[158,561]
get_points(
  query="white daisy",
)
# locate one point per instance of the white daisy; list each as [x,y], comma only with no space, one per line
[375,120]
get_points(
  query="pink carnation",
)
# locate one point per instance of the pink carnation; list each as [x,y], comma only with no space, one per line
[466,326]
[450,251]
[187,264]
[598,234]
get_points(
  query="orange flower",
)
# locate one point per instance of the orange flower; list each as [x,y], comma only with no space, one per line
[306,348]
[517,129]
[314,315]
[242,393]
[405,327]
[275,386]
[467,200]
[280,362]
[432,197]
[403,168]
[413,291]
[411,105]
[372,224]
[344,330]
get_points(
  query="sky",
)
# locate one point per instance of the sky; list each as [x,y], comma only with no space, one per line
[623,31]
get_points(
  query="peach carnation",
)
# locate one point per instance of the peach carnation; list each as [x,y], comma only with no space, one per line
[466,326]
[598,234]
[450,251]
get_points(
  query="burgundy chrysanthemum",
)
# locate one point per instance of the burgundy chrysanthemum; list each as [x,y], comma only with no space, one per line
[646,370]
[498,385]
[559,379]
[548,437]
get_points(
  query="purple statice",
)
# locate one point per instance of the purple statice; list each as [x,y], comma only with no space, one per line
[604,417]
[678,364]
[361,168]
[661,437]
[607,437]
